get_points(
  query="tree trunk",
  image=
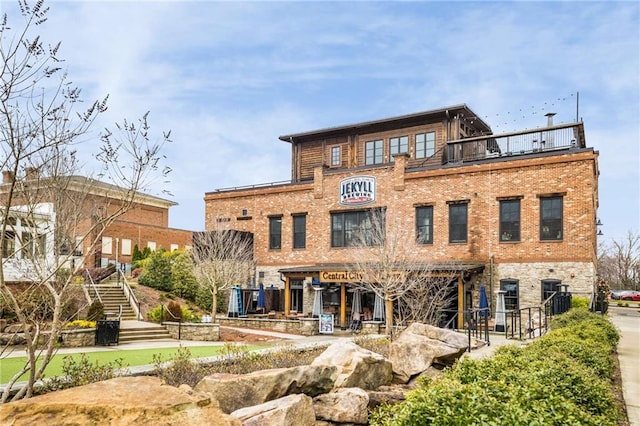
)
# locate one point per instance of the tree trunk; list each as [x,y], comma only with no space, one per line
[388,312]
[214,303]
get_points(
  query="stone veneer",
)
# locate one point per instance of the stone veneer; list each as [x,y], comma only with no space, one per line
[202,332]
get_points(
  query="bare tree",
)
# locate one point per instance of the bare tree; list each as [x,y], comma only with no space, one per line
[49,212]
[619,262]
[222,258]
[389,264]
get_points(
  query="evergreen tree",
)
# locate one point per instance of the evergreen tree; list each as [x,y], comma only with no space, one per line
[157,272]
[183,281]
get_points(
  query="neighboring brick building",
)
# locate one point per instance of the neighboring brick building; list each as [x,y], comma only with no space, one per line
[145,223]
[515,211]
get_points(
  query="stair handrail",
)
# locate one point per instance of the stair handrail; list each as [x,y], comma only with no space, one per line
[93,285]
[130,295]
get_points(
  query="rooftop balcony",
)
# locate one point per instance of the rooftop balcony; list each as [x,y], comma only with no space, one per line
[540,140]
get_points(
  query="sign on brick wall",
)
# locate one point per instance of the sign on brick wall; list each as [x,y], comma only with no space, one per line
[357,190]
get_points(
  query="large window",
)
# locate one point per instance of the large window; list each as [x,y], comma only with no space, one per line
[425,144]
[361,228]
[551,218]
[299,231]
[424,224]
[336,159]
[549,287]
[398,145]
[374,151]
[458,223]
[510,220]
[510,287]
[275,232]
[8,244]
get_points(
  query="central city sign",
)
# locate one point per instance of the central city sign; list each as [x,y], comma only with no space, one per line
[357,190]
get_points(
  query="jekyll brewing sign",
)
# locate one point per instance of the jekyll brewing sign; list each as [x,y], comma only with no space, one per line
[357,190]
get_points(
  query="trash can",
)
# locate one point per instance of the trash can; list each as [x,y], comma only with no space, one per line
[107,332]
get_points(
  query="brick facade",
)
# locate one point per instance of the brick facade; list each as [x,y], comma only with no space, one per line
[401,186]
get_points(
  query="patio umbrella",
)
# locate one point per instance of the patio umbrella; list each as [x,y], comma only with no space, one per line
[484,303]
[262,300]
[235,303]
[317,302]
[356,304]
[501,320]
[378,309]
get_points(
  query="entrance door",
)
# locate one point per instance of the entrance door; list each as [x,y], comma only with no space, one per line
[296,295]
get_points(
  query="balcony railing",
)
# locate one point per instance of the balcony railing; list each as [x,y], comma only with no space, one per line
[510,144]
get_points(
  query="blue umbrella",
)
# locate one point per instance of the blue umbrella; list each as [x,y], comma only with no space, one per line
[484,303]
[262,300]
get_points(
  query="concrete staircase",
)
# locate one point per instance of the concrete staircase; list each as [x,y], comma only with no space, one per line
[112,296]
[138,331]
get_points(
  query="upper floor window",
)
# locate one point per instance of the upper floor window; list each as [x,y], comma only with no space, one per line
[360,228]
[458,223]
[374,152]
[126,247]
[510,220]
[551,218]
[299,231]
[398,145]
[275,232]
[424,224]
[425,144]
[107,245]
[511,295]
[336,159]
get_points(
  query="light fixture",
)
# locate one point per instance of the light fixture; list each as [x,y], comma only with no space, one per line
[598,222]
[599,233]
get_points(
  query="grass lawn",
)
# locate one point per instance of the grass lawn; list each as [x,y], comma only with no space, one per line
[130,358]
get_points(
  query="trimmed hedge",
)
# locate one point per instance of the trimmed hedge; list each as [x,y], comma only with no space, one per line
[563,378]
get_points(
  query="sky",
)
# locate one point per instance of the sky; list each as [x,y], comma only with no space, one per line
[229,78]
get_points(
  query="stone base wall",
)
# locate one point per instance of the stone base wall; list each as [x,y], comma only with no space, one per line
[201,332]
[302,326]
[78,338]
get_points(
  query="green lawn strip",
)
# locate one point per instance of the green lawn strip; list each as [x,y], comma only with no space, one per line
[130,358]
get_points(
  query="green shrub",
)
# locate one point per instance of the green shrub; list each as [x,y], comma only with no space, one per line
[562,378]
[80,371]
[156,314]
[579,302]
[157,271]
[189,316]
[96,311]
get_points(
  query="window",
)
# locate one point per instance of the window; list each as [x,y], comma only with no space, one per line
[549,287]
[126,247]
[275,232]
[336,159]
[510,220]
[299,231]
[458,223]
[33,246]
[398,145]
[424,224]
[551,218]
[107,245]
[172,247]
[8,244]
[374,151]
[151,245]
[79,246]
[359,228]
[425,144]
[511,295]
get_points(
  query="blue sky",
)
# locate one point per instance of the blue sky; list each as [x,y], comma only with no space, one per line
[228,78]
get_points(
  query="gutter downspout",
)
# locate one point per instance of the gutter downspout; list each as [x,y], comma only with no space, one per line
[491,283]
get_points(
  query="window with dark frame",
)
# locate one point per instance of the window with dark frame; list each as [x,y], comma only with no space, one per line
[511,289]
[335,156]
[551,218]
[458,223]
[275,232]
[398,145]
[425,144]
[548,288]
[510,220]
[352,228]
[299,231]
[424,224]
[374,152]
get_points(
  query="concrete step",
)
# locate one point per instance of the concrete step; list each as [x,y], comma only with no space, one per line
[143,334]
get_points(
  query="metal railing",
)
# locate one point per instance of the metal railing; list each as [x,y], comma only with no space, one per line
[92,285]
[130,295]
[534,321]
[511,144]
[476,323]
[165,309]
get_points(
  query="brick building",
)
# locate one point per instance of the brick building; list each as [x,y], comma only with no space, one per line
[145,223]
[514,212]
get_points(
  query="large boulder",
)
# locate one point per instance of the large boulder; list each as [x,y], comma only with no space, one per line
[121,401]
[421,345]
[357,367]
[347,405]
[291,410]
[238,391]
